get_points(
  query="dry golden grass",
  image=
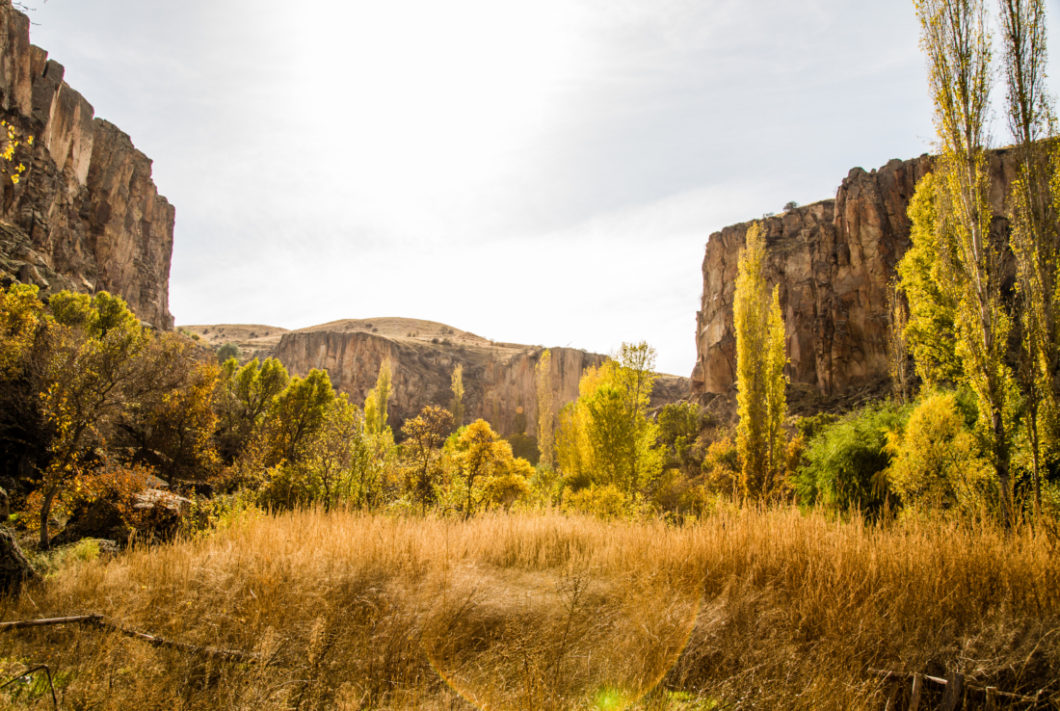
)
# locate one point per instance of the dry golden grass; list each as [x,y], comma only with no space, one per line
[748,609]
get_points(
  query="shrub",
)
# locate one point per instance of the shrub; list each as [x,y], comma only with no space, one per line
[228,350]
[679,498]
[845,460]
[607,502]
[721,465]
[506,489]
[286,486]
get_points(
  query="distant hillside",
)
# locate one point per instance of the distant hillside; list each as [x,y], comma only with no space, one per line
[498,377]
[252,340]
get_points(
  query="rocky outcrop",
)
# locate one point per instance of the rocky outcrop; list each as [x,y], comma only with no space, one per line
[834,261]
[499,382]
[85,214]
[499,378]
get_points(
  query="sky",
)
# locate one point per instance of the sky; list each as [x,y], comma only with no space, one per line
[544,172]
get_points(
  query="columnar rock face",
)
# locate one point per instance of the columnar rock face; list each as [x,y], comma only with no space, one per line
[834,261]
[500,379]
[85,214]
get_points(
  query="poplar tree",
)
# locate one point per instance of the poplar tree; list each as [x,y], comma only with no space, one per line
[457,386]
[1034,237]
[760,379]
[375,403]
[955,39]
[931,331]
[898,345]
[545,415]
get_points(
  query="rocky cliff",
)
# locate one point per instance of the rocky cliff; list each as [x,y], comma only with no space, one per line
[499,378]
[85,214]
[833,261]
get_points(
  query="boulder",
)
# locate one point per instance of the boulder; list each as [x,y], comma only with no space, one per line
[153,514]
[159,514]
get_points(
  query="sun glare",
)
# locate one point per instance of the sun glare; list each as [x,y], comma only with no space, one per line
[423,91]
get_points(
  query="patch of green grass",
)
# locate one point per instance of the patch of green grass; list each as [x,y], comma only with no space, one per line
[21,688]
[52,561]
[686,701]
[609,698]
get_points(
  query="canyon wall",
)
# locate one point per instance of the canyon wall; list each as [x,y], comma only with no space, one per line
[85,214]
[500,383]
[834,261]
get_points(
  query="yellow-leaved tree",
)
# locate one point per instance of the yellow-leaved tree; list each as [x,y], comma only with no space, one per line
[761,356]
[931,331]
[379,437]
[486,469]
[21,312]
[377,400]
[11,163]
[545,415]
[936,463]
[968,259]
[1035,236]
[457,387]
[424,436]
[605,438]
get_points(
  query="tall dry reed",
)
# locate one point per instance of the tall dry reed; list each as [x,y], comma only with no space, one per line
[749,609]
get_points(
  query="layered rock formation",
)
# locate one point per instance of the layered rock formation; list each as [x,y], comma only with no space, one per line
[499,378]
[85,214]
[834,261]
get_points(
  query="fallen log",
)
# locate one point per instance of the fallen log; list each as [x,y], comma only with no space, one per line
[100,622]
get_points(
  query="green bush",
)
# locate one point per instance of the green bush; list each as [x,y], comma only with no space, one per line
[845,460]
[228,350]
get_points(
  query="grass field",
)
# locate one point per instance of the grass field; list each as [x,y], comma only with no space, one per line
[748,609]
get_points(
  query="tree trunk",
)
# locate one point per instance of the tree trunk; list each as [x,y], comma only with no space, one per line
[1032,422]
[1001,464]
[14,568]
[45,514]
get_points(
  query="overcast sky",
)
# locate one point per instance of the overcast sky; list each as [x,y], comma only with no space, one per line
[541,172]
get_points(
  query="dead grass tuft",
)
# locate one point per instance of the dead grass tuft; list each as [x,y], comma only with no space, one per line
[750,609]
